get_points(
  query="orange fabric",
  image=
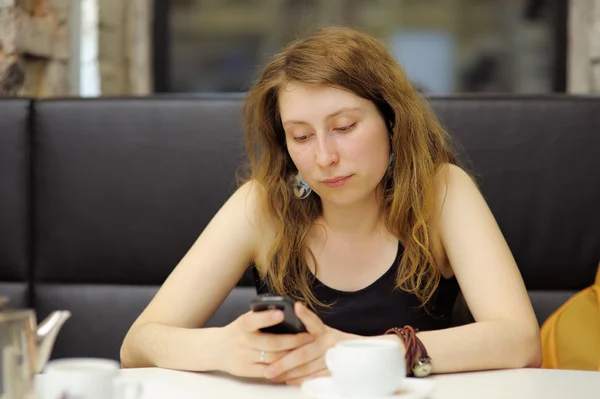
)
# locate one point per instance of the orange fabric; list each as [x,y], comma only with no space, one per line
[571,335]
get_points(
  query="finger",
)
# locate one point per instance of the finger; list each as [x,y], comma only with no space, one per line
[303,371]
[249,363]
[311,321]
[245,363]
[277,342]
[254,321]
[251,370]
[296,358]
[266,358]
[299,381]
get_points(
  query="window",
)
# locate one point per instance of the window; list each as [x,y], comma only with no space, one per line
[445,46]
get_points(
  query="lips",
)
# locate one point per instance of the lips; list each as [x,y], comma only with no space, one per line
[336,181]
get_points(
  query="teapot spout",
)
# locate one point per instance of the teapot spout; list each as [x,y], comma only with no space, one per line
[46,336]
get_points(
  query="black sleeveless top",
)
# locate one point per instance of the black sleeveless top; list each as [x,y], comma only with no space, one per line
[380,306]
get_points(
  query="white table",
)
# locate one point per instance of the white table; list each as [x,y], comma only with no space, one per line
[505,384]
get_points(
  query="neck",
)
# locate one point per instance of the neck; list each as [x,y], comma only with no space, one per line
[357,220]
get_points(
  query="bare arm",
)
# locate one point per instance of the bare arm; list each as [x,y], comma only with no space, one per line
[166,332]
[506,332]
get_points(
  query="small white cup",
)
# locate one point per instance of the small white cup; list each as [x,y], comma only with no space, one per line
[85,378]
[365,367]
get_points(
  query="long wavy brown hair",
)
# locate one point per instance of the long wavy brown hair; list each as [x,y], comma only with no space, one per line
[352,60]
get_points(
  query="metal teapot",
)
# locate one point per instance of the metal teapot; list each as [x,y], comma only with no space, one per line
[25,348]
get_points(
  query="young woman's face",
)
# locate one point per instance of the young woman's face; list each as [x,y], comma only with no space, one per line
[338,141]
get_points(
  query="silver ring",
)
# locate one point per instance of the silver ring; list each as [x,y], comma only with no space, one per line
[262,356]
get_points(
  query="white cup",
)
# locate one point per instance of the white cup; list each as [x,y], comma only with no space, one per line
[85,378]
[365,367]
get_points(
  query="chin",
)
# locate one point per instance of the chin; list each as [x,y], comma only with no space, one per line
[344,197]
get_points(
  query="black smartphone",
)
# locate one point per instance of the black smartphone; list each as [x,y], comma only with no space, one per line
[290,324]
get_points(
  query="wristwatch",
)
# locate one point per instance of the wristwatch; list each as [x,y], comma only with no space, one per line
[418,362]
[422,367]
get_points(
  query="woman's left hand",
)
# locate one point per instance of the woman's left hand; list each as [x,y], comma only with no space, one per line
[307,361]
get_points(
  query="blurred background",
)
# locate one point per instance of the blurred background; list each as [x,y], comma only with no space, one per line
[445,46]
[144,47]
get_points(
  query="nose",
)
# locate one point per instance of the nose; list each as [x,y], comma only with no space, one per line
[326,154]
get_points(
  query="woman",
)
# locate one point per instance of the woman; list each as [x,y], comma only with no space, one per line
[356,208]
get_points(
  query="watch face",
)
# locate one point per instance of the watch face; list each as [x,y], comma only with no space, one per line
[422,371]
[423,367]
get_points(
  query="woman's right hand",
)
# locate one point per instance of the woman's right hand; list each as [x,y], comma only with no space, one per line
[248,351]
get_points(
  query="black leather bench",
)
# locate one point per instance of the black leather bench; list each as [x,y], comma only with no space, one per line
[100,198]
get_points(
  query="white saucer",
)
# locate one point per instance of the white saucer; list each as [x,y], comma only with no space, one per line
[324,388]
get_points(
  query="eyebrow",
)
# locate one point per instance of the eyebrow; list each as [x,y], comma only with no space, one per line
[333,114]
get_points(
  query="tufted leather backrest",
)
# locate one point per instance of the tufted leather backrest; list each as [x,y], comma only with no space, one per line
[102,197]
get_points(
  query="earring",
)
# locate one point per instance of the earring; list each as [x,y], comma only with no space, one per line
[391,159]
[299,187]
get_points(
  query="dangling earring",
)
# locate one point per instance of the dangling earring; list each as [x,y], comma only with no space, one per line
[391,160]
[299,187]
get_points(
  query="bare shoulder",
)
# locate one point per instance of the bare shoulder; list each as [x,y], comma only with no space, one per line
[247,201]
[263,221]
[452,177]
[456,196]
[450,186]
[475,249]
[251,203]
[455,191]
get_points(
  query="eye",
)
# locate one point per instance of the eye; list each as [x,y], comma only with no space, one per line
[346,128]
[301,138]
